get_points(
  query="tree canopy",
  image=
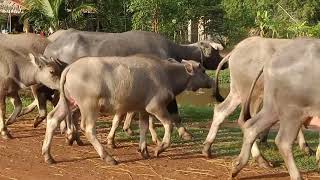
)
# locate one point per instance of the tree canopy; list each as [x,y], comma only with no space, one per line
[232,19]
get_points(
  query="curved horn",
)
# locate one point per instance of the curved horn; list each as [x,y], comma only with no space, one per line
[216,46]
[59,62]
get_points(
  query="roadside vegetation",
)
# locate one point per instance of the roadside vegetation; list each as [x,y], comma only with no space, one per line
[227,21]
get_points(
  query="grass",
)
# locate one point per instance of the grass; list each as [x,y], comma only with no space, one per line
[224,77]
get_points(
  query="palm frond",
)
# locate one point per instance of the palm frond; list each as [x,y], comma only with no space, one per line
[46,8]
[56,5]
[78,12]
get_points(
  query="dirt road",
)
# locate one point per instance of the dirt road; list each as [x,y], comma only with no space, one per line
[20,158]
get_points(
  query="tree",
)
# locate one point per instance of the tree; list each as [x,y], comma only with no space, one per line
[54,14]
[171,17]
[113,16]
[279,18]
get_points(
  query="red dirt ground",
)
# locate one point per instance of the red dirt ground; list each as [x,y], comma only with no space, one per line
[20,158]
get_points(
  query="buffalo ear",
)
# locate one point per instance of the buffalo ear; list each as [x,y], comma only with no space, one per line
[188,66]
[37,62]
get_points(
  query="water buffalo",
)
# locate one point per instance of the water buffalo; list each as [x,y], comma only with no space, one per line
[73,44]
[18,71]
[114,83]
[35,44]
[24,44]
[245,60]
[291,96]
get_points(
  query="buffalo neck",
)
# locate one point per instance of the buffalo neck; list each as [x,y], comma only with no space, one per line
[187,52]
[178,78]
[28,75]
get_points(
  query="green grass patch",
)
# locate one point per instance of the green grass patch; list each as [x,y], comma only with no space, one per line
[190,113]
[224,77]
[26,100]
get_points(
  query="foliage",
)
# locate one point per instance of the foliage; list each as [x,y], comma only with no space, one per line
[55,14]
[3,19]
[114,16]
[279,18]
[163,16]
[171,17]
[226,20]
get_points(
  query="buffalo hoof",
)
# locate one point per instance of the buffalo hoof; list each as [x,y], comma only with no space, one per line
[79,142]
[9,122]
[129,132]
[186,136]
[70,141]
[235,168]
[156,142]
[308,151]
[110,160]
[262,162]
[160,149]
[6,135]
[37,121]
[70,138]
[206,151]
[111,145]
[144,153]
[50,161]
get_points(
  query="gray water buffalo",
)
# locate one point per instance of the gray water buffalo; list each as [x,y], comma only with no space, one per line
[18,71]
[25,44]
[73,44]
[245,60]
[35,44]
[114,84]
[291,96]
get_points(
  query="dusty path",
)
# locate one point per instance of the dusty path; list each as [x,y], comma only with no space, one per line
[20,158]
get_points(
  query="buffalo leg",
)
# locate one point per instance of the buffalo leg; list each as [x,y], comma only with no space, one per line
[143,126]
[153,132]
[318,153]
[263,137]
[89,114]
[127,123]
[29,108]
[3,129]
[16,101]
[72,132]
[165,118]
[54,118]
[42,107]
[173,110]
[34,104]
[221,111]
[289,128]
[115,124]
[303,144]
[251,130]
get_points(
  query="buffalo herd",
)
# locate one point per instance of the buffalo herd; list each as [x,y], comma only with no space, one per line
[86,73]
